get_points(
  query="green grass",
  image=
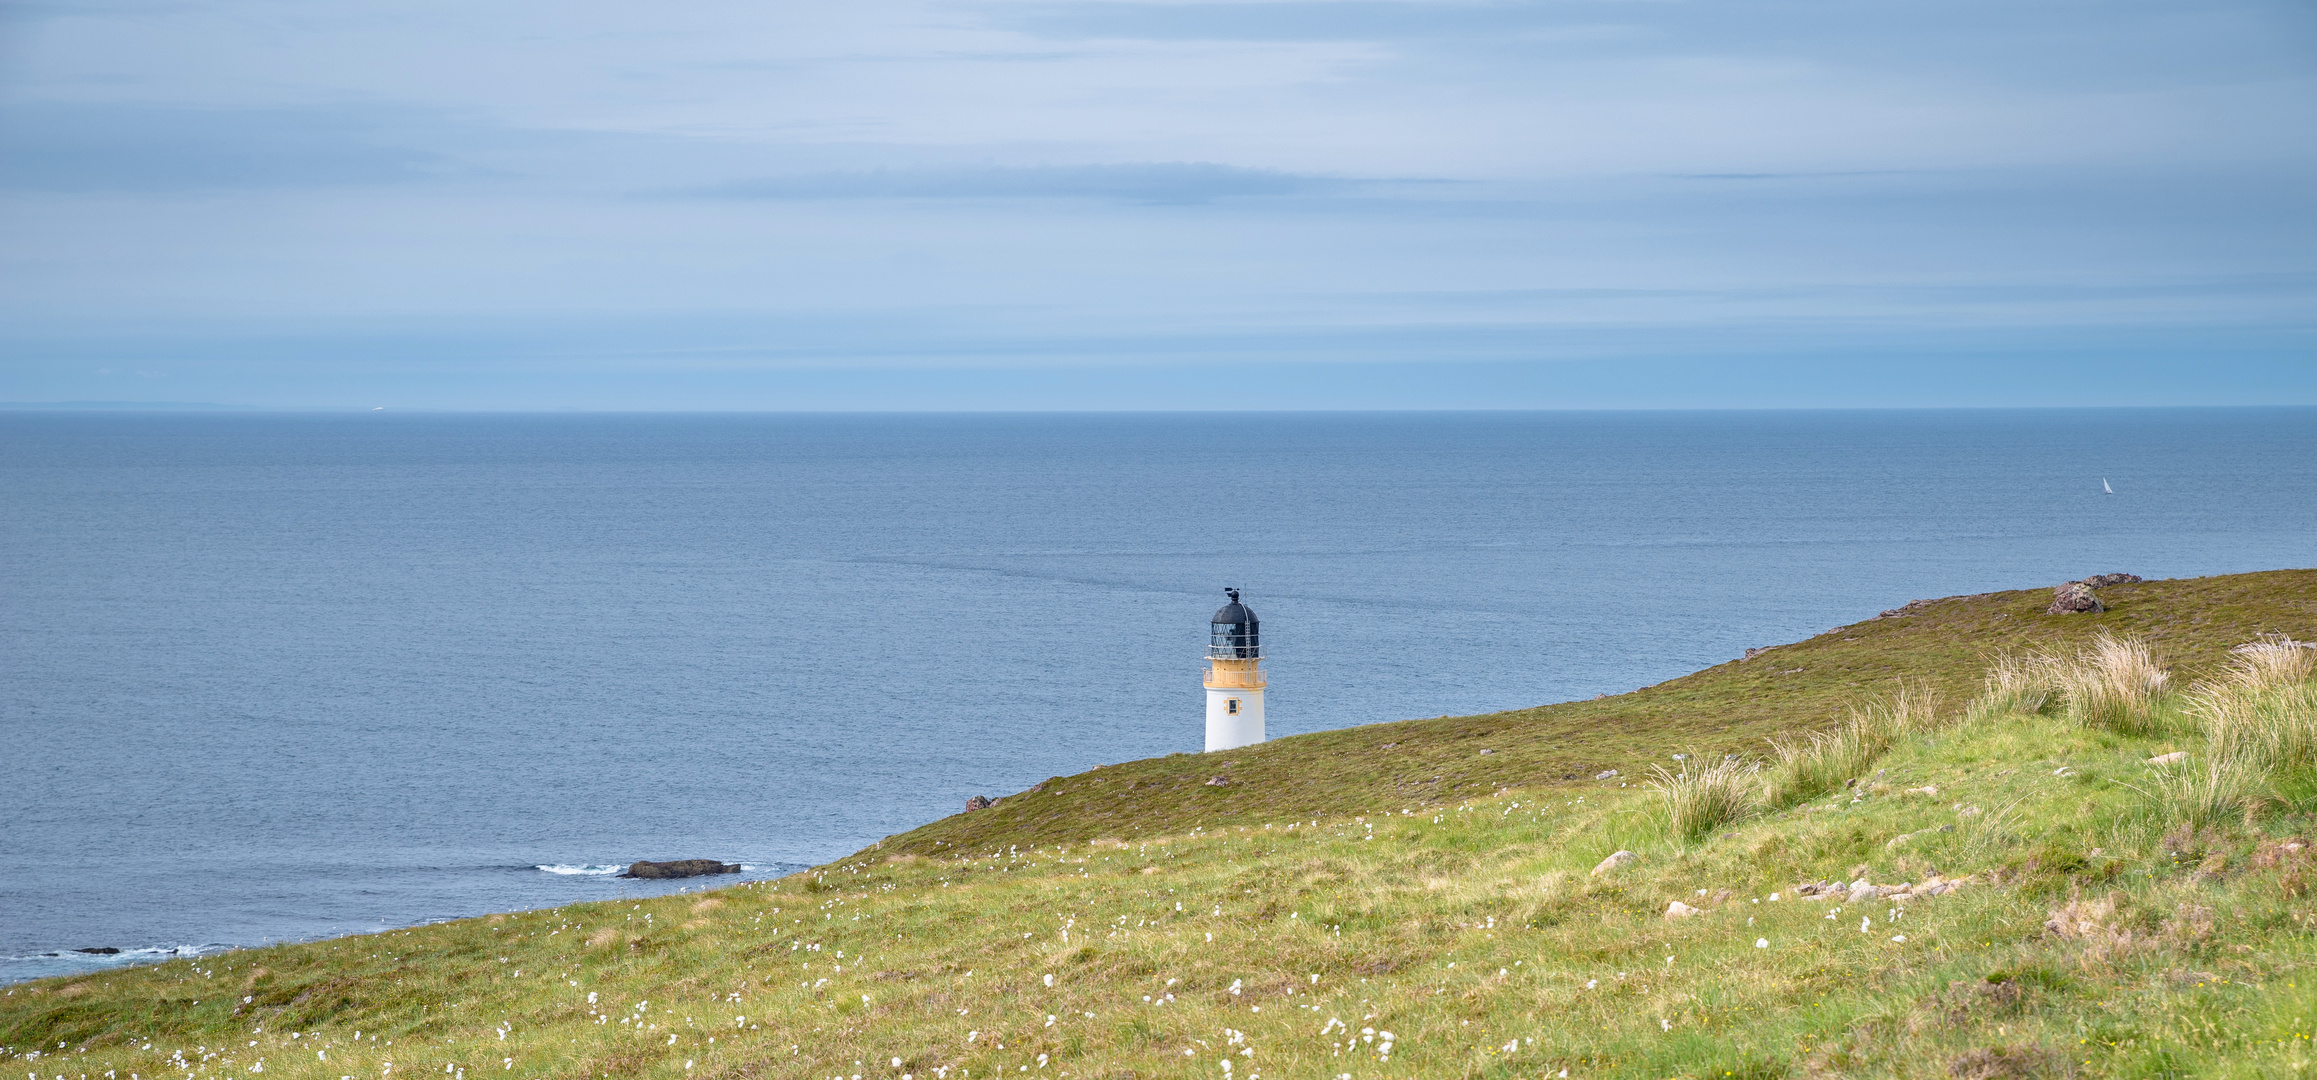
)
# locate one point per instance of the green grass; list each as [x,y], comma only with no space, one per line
[2104,929]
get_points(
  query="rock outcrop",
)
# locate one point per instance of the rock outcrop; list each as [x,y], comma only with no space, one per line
[979,802]
[2074,598]
[1615,860]
[2077,598]
[680,868]
[1862,890]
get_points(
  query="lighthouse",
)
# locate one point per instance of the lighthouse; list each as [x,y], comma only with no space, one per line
[1234,678]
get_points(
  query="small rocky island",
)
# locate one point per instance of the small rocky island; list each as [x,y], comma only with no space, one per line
[680,868]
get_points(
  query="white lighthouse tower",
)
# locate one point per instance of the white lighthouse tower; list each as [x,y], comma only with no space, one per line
[1234,678]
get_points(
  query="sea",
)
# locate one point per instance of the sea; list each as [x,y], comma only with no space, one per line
[269,677]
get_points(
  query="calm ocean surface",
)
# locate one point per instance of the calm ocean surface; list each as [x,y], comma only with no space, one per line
[268,677]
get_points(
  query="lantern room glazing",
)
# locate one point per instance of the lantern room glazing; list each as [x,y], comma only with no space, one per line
[1236,633]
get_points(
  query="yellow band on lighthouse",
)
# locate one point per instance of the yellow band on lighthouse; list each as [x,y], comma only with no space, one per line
[1234,675]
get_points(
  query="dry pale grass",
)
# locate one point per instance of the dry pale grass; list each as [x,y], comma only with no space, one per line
[2260,727]
[2217,791]
[2270,731]
[2272,660]
[2259,719]
[1820,762]
[2017,683]
[2112,684]
[1699,800]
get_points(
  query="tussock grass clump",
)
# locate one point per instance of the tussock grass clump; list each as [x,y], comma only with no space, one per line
[1824,760]
[2259,718]
[2112,684]
[2021,684]
[1821,762]
[2272,660]
[2211,793]
[2270,731]
[1698,801]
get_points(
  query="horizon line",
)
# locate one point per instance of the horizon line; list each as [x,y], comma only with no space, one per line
[145,407]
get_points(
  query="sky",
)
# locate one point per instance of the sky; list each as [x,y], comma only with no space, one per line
[1147,204]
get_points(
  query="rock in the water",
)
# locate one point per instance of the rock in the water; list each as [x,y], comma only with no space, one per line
[2074,598]
[2102,581]
[979,802]
[1614,861]
[105,951]
[680,868]
[1679,910]
[2172,758]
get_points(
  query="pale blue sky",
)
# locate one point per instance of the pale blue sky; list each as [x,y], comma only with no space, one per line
[1130,204]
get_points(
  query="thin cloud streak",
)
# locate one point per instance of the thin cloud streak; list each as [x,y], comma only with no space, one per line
[1153,182]
[139,147]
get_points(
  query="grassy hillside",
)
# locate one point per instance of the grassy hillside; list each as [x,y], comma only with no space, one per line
[1732,707]
[2071,909]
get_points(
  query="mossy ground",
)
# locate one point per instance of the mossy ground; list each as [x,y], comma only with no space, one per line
[1469,929]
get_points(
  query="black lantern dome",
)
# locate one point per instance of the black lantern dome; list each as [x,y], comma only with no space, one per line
[1237,633]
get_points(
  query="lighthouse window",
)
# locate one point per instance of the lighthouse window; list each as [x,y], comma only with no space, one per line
[1232,707]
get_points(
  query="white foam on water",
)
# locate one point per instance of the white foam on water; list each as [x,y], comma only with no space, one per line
[123,956]
[580,868]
